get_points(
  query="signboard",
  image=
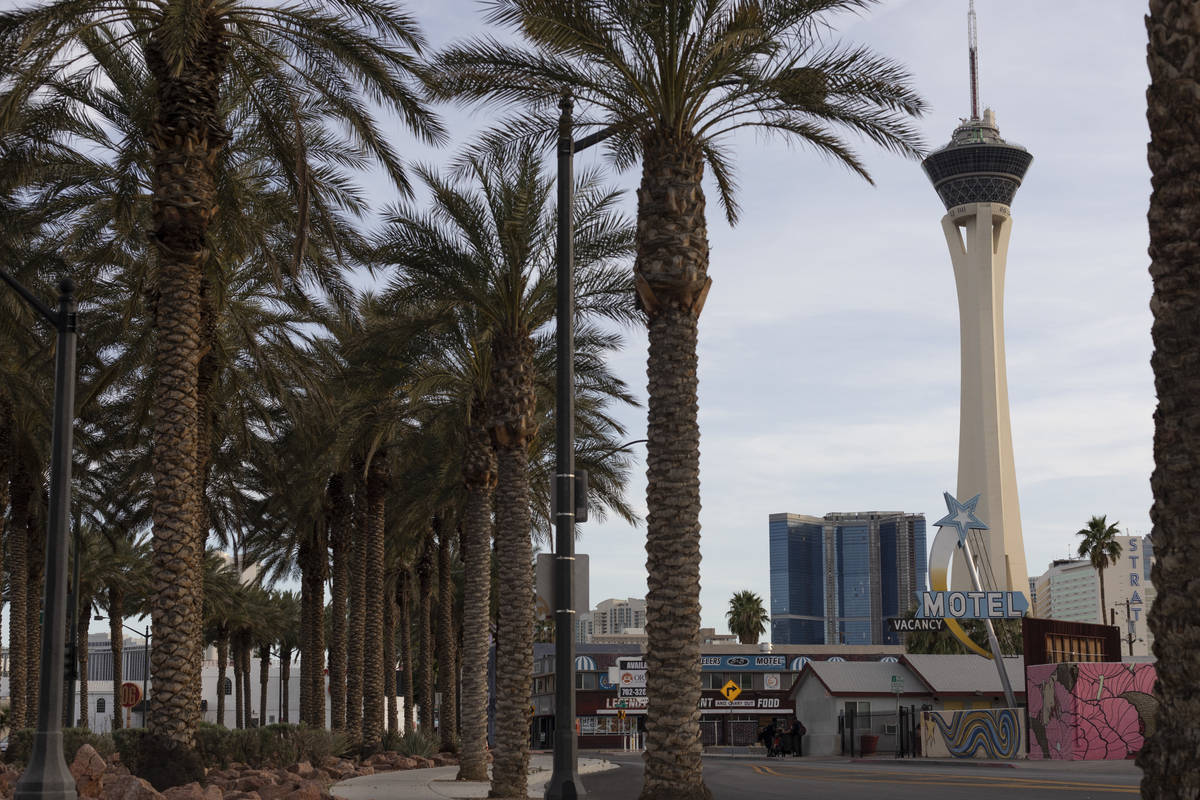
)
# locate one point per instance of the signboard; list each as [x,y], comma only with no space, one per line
[771,682]
[131,694]
[765,663]
[902,625]
[971,605]
[897,684]
[631,691]
[731,690]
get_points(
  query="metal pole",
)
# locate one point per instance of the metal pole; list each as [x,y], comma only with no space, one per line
[47,776]
[73,628]
[564,781]
[1129,625]
[997,656]
[146,674]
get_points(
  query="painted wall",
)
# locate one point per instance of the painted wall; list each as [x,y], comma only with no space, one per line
[994,733]
[1089,711]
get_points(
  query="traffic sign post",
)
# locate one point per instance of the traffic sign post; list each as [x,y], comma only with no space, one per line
[131,694]
[731,690]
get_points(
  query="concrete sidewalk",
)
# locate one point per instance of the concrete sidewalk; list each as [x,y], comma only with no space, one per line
[438,783]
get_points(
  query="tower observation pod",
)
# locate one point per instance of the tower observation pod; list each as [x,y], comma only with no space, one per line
[976,175]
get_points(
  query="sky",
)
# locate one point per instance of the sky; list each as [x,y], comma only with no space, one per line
[829,363]
[828,352]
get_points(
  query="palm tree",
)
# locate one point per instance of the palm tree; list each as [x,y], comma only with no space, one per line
[747,617]
[1101,547]
[485,250]
[1170,769]
[291,59]
[287,636]
[670,80]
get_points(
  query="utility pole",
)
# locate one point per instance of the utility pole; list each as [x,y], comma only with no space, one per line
[1129,637]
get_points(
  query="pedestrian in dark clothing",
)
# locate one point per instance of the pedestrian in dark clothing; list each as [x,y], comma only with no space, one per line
[768,738]
[798,731]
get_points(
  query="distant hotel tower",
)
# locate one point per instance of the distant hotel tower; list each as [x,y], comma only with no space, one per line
[976,175]
[836,579]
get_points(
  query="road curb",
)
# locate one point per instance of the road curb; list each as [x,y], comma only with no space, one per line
[925,762]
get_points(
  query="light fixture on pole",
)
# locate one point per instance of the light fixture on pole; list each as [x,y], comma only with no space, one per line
[47,776]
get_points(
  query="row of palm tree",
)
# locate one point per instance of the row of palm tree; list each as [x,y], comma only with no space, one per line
[192,162]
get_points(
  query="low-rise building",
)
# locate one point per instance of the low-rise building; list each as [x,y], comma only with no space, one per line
[828,695]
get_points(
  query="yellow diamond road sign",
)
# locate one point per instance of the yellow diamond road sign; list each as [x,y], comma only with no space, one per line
[731,690]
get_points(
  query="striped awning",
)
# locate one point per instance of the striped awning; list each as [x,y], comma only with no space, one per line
[585,664]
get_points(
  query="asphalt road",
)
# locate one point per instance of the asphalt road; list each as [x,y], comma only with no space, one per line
[776,779]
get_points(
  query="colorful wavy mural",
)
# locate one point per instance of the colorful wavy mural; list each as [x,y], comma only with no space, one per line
[996,733]
[1089,711]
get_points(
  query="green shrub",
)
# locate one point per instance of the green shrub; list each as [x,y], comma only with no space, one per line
[415,743]
[128,742]
[20,744]
[166,763]
[276,745]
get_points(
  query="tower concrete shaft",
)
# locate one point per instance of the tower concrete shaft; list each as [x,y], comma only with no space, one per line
[977,236]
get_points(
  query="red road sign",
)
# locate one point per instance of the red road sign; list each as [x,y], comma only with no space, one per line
[131,693]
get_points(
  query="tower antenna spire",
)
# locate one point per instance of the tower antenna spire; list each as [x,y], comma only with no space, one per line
[973,43]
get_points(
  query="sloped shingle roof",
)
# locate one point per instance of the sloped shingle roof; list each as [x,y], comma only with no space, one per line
[860,677]
[965,674]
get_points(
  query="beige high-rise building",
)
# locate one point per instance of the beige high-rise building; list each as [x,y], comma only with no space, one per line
[976,175]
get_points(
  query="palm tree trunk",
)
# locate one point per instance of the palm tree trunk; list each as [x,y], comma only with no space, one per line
[308,659]
[514,635]
[672,280]
[6,424]
[357,617]
[389,650]
[84,617]
[18,543]
[447,669]
[116,619]
[425,612]
[373,548]
[1169,765]
[222,676]
[186,138]
[1104,615]
[264,675]
[404,602]
[339,538]
[314,566]
[248,693]
[34,597]
[285,677]
[479,473]
[239,716]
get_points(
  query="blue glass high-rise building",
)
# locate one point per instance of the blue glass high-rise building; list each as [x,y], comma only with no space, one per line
[836,579]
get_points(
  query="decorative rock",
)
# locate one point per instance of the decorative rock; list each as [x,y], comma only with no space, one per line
[191,791]
[88,770]
[129,787]
[305,791]
[242,796]
[303,769]
[8,782]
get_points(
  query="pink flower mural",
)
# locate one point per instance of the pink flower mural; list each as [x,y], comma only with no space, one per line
[1089,711]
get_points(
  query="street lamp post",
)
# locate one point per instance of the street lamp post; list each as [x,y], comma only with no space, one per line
[47,776]
[564,783]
